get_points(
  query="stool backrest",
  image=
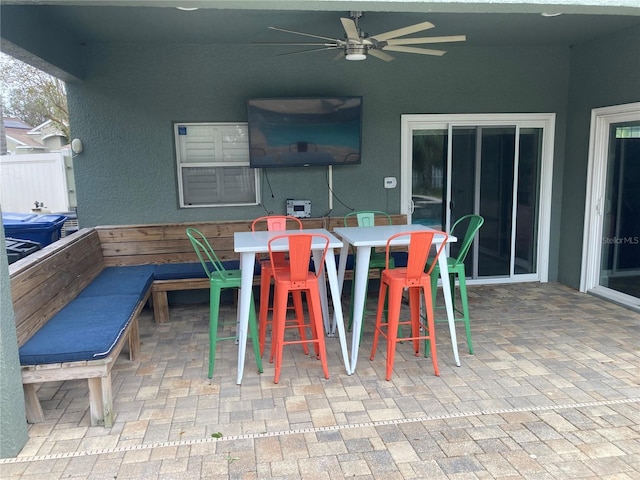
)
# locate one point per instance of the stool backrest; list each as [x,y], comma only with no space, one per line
[367,218]
[276,223]
[474,222]
[419,247]
[212,265]
[299,246]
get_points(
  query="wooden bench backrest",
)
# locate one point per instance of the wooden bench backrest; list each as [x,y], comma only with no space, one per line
[168,243]
[45,281]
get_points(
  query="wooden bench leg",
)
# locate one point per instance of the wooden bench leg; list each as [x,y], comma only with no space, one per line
[160,306]
[32,404]
[134,340]
[101,401]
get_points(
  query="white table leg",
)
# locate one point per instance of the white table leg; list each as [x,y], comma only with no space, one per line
[342,266]
[363,255]
[446,290]
[247,262]
[344,252]
[322,286]
[330,263]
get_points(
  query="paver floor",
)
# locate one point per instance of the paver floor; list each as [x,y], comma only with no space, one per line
[552,392]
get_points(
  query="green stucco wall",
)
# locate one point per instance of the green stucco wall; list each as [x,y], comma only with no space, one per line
[124,109]
[603,73]
[13,424]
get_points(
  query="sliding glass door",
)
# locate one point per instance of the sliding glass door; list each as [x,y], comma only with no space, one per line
[493,166]
[611,248]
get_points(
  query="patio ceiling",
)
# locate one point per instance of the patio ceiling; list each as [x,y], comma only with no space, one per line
[51,34]
[245,22]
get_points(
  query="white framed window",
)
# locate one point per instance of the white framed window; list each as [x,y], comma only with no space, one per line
[213,165]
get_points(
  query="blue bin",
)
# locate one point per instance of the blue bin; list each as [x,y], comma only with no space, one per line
[44,229]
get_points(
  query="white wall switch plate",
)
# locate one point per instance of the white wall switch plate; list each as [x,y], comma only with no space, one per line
[390,182]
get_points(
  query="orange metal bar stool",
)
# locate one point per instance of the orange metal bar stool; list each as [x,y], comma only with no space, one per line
[275,223]
[413,278]
[297,277]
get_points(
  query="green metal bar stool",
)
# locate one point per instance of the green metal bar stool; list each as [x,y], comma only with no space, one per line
[220,279]
[456,268]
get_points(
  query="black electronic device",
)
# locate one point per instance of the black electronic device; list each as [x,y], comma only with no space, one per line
[306,131]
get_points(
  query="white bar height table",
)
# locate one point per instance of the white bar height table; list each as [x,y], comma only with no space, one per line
[248,244]
[366,238]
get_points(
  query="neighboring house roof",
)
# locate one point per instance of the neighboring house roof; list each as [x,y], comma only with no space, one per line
[46,130]
[20,135]
[12,122]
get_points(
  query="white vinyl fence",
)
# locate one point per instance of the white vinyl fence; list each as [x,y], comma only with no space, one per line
[46,178]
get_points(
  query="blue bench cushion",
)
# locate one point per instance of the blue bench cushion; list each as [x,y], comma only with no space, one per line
[179,271]
[399,258]
[86,329]
[125,280]
[349,261]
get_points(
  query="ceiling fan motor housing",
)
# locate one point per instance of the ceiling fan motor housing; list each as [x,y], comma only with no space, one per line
[355,51]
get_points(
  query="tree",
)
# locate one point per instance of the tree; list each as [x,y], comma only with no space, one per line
[33,95]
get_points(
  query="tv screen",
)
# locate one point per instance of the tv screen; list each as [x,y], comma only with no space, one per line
[293,132]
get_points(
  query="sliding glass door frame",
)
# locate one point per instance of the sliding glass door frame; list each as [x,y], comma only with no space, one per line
[544,121]
[599,139]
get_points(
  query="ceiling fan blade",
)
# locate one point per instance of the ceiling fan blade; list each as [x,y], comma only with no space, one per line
[305,34]
[350,28]
[325,44]
[421,51]
[401,32]
[380,54]
[306,51]
[421,40]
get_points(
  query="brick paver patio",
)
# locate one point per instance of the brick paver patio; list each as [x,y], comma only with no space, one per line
[552,392]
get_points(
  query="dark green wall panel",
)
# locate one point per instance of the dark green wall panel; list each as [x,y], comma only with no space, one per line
[124,110]
[603,73]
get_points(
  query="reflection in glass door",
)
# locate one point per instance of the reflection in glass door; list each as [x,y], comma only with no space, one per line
[491,170]
[429,149]
[620,259]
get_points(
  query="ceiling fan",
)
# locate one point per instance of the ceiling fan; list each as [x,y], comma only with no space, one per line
[357,44]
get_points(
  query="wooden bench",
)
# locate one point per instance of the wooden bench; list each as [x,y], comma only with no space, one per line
[42,285]
[47,281]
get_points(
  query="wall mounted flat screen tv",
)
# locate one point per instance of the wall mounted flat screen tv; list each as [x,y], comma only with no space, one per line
[295,132]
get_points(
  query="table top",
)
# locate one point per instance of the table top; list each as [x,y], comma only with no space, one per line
[377,236]
[258,241]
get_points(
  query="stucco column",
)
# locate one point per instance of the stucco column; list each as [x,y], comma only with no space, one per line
[13,424]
